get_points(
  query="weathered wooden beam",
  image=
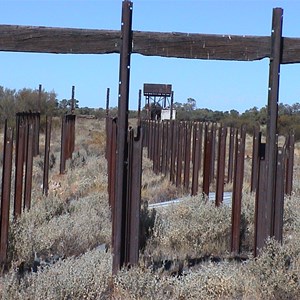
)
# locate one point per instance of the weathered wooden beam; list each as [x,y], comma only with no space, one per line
[58,40]
[201,46]
[182,45]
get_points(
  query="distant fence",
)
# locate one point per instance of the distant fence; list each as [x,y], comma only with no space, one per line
[26,148]
[187,151]
[200,157]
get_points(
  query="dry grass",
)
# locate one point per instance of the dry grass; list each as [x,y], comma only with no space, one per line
[57,248]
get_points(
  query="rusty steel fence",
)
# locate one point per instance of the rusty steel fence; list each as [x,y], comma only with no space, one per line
[26,148]
[128,234]
[67,140]
[202,157]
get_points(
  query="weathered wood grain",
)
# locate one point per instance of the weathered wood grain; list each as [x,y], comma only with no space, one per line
[182,45]
[58,40]
[201,46]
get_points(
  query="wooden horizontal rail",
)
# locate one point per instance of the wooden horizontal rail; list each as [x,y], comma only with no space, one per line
[182,45]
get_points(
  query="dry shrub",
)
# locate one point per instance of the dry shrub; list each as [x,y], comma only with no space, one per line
[212,281]
[247,222]
[193,228]
[274,274]
[156,188]
[91,136]
[84,277]
[71,230]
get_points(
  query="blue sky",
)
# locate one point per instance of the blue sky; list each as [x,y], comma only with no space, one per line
[216,85]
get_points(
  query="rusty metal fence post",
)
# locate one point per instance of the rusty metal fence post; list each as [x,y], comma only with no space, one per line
[255,158]
[120,218]
[196,156]
[260,231]
[67,140]
[213,152]
[207,158]
[179,154]
[187,155]
[107,123]
[19,164]
[290,163]
[133,197]
[279,194]
[47,155]
[5,191]
[230,155]
[111,159]
[221,165]
[174,141]
[237,190]
[29,166]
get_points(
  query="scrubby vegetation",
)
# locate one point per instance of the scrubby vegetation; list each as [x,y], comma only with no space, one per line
[61,248]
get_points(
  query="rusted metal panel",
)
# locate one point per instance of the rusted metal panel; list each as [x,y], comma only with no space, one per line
[67,140]
[213,152]
[261,230]
[169,147]
[134,197]
[159,146]
[29,166]
[107,124]
[112,161]
[107,131]
[40,98]
[230,155]
[187,156]
[179,154]
[107,101]
[279,194]
[290,164]
[6,189]
[47,155]
[19,164]
[139,108]
[156,152]
[119,213]
[238,190]
[164,147]
[207,158]
[196,156]
[255,158]
[221,165]
[152,139]
[37,134]
[174,128]
[63,147]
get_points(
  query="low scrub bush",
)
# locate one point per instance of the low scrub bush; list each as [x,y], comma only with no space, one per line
[193,228]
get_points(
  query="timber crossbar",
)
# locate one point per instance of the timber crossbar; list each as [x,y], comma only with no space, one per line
[166,44]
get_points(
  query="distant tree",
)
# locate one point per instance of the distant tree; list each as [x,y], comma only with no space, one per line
[7,105]
[296,108]
[190,104]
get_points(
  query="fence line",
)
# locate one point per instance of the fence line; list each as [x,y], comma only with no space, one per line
[187,151]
